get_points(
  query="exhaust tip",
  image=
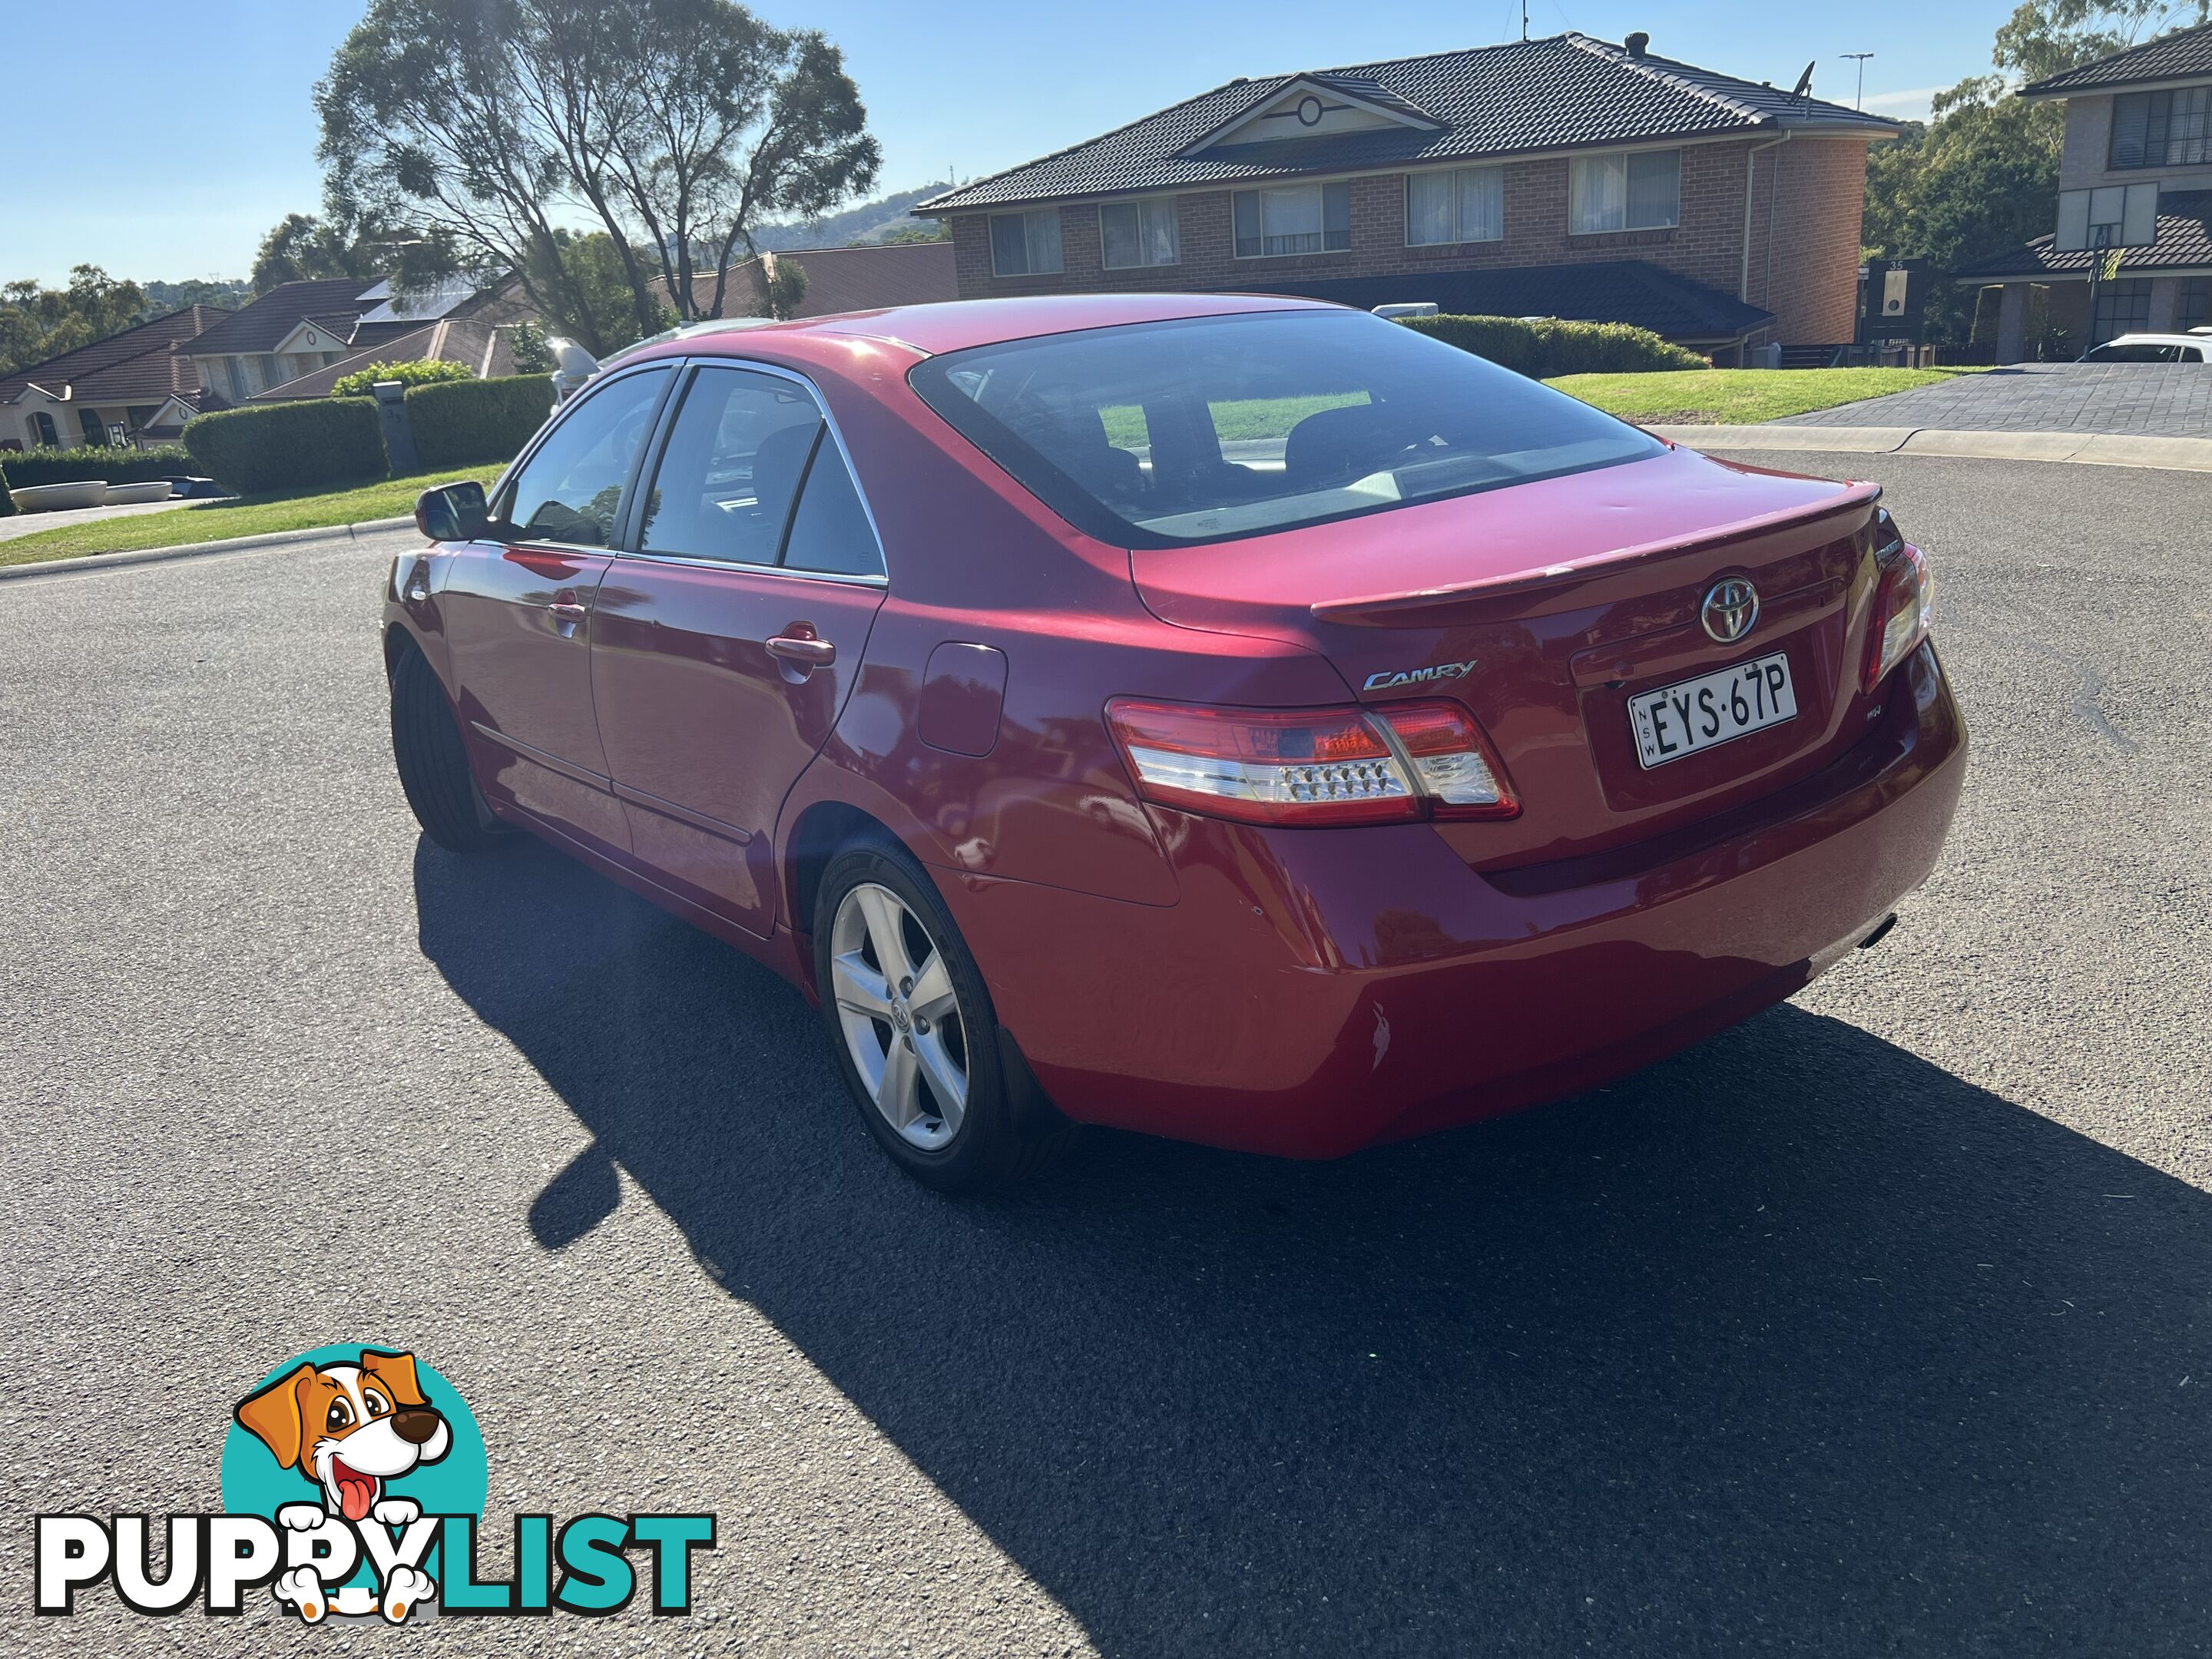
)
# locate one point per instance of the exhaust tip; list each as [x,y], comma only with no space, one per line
[1881,932]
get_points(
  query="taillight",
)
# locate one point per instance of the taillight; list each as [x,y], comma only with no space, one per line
[1310,766]
[1903,601]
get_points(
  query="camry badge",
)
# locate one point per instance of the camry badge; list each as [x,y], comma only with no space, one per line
[1390,677]
[1731,607]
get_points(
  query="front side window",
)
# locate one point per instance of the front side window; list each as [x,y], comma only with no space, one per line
[1160,434]
[1140,233]
[1293,219]
[570,490]
[1025,244]
[2162,129]
[1466,204]
[1627,189]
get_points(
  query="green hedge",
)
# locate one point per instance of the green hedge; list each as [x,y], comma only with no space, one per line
[419,371]
[44,466]
[1549,347]
[290,445]
[467,421]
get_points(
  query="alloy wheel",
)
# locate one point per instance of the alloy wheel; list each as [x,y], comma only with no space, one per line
[900,1014]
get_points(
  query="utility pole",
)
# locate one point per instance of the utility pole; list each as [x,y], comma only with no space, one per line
[1860,102]
[1524,18]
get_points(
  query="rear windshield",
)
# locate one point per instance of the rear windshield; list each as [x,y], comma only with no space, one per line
[1159,434]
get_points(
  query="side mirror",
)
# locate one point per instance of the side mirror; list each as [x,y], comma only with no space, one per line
[451,512]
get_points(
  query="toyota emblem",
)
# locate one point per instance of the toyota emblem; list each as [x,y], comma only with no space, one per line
[1730,608]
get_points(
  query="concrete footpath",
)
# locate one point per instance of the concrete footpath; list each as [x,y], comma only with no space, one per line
[2091,448]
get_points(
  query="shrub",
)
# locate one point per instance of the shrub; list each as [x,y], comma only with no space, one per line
[45,466]
[419,371]
[473,420]
[1548,347]
[290,445]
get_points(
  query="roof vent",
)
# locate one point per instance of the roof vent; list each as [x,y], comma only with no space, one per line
[1638,44]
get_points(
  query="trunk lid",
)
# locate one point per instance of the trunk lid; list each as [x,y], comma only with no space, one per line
[1545,607]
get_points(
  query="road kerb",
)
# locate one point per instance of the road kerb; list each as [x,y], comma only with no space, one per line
[2080,448]
[192,550]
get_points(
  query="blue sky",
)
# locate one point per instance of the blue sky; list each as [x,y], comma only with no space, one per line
[169,157]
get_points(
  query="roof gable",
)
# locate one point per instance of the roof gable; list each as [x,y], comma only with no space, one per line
[1315,106]
[1564,92]
[2184,55]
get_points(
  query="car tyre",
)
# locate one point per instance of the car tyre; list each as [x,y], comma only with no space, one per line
[916,1039]
[434,766]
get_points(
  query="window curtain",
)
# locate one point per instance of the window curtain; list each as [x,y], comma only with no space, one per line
[1481,192]
[1429,208]
[1655,189]
[1599,193]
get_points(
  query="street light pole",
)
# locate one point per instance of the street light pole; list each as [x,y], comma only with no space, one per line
[1859,103]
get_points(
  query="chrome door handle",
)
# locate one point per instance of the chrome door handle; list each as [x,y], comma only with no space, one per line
[809,653]
[567,617]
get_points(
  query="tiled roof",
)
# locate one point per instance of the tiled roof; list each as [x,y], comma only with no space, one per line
[2185,242]
[1599,291]
[1564,92]
[332,301]
[2186,54]
[134,365]
[449,340]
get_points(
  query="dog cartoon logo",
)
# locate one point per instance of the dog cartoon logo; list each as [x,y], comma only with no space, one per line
[349,1423]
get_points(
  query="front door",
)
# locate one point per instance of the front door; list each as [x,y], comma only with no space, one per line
[724,647]
[517,612]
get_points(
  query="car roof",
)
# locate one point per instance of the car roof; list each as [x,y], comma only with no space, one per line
[2154,339]
[956,325]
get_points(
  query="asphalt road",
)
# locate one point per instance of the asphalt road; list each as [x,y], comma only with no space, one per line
[1876,1326]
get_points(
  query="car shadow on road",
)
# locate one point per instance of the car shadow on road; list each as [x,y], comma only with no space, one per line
[1795,1341]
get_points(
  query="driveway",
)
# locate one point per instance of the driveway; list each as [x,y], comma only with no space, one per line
[2164,400]
[29,523]
[1878,1325]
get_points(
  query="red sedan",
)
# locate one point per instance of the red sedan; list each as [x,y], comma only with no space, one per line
[1240,720]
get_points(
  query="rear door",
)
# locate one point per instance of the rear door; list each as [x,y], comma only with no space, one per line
[726,640]
[517,612]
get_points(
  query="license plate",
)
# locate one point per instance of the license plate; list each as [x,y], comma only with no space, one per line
[1694,715]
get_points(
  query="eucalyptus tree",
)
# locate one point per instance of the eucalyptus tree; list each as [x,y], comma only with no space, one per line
[502,127]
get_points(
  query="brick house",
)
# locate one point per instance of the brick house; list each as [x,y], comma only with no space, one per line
[1565,177]
[2135,178]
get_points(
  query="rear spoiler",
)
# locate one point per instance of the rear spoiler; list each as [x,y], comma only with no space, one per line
[1437,605]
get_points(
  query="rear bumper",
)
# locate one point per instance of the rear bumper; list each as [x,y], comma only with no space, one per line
[1317,991]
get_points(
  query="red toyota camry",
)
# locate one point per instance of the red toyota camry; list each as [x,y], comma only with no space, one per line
[1241,719]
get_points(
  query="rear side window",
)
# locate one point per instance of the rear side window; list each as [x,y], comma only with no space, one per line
[570,490]
[732,467]
[830,531]
[1160,434]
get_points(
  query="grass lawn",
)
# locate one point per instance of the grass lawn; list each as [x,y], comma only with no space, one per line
[247,515]
[1740,397]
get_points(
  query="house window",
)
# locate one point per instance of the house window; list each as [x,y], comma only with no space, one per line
[43,435]
[1627,189]
[2162,129]
[1140,233]
[2111,215]
[2192,304]
[2122,308]
[1293,219]
[96,430]
[1465,205]
[1025,244]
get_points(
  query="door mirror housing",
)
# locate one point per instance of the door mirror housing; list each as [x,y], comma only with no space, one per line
[453,513]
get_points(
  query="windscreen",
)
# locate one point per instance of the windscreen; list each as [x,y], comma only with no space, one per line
[1159,435]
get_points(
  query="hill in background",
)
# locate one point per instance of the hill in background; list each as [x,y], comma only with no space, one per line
[869,222]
